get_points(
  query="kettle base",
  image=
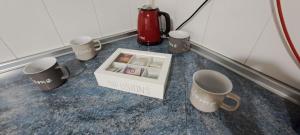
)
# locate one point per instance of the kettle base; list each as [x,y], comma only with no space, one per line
[149,43]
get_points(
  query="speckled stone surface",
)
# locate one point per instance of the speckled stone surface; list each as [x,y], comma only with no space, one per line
[81,107]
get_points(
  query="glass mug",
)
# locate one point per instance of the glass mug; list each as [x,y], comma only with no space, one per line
[209,89]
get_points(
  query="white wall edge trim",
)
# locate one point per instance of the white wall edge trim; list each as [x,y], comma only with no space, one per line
[288,92]
[21,62]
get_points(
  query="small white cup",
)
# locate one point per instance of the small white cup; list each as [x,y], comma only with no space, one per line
[85,47]
[209,90]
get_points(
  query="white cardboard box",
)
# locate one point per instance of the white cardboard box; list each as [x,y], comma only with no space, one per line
[139,72]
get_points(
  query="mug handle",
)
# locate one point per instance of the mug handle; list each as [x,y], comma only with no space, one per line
[234,97]
[65,70]
[99,46]
[168,22]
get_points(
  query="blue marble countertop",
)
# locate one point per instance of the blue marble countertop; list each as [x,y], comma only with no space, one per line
[80,106]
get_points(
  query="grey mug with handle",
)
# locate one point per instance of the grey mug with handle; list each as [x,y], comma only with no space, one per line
[46,73]
[179,41]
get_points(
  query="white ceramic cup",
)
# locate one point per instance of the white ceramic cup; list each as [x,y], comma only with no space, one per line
[209,89]
[85,48]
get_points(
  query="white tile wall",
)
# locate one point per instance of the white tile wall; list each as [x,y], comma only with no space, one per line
[197,25]
[26,27]
[5,53]
[272,58]
[114,16]
[240,29]
[235,25]
[34,26]
[73,18]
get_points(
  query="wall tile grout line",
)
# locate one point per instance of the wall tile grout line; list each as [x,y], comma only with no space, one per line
[97,18]
[6,45]
[207,21]
[258,38]
[53,23]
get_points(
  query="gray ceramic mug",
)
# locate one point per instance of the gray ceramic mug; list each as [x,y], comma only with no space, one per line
[179,41]
[209,89]
[46,73]
[85,48]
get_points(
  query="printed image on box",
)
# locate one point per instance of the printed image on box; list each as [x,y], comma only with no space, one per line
[133,71]
[124,58]
[137,65]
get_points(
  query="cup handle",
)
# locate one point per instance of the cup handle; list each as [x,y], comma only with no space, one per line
[98,47]
[234,97]
[65,70]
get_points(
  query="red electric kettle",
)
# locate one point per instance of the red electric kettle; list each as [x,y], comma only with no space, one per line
[149,27]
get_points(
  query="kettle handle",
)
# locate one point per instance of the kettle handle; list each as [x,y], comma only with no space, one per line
[168,22]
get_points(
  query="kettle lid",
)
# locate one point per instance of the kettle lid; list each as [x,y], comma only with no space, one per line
[148,7]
